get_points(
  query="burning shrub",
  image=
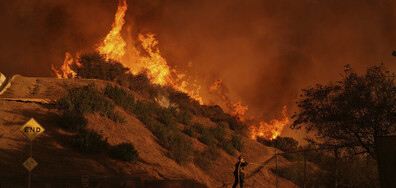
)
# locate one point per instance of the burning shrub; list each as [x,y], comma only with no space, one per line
[125,152]
[204,159]
[120,96]
[282,143]
[73,121]
[185,102]
[237,142]
[238,126]
[215,113]
[95,65]
[88,141]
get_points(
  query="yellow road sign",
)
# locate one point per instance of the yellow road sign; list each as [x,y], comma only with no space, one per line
[31,129]
[30,163]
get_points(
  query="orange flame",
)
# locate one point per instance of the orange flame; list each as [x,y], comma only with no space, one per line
[67,72]
[237,109]
[159,72]
[113,45]
[272,129]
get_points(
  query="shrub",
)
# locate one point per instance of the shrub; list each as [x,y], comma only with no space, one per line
[184,118]
[119,96]
[218,133]
[185,102]
[180,147]
[237,126]
[237,142]
[125,152]
[207,137]
[190,132]
[204,159]
[95,65]
[143,108]
[226,145]
[166,117]
[282,143]
[117,117]
[88,141]
[73,121]
[198,127]
[215,113]
[84,100]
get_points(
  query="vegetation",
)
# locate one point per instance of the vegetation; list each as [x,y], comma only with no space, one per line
[125,152]
[120,96]
[204,159]
[72,121]
[207,137]
[95,65]
[282,143]
[189,130]
[85,100]
[179,147]
[237,142]
[88,141]
[227,146]
[350,112]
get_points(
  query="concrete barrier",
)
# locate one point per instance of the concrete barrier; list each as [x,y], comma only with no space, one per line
[2,79]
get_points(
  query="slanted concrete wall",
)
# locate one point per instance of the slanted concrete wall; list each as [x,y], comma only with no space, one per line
[2,79]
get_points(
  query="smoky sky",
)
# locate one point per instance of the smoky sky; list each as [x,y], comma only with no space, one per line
[265,51]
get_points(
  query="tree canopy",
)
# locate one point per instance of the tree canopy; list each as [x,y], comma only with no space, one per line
[350,112]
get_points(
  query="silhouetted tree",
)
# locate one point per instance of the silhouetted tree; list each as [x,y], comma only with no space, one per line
[351,112]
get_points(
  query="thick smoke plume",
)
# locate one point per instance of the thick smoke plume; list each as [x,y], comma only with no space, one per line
[264,51]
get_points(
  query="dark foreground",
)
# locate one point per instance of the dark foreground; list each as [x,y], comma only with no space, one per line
[16,181]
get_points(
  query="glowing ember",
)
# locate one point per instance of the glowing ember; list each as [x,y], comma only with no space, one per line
[67,72]
[272,129]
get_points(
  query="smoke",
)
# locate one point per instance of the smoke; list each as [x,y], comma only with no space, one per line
[265,51]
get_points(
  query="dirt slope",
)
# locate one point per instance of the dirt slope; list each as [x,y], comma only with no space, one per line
[56,158]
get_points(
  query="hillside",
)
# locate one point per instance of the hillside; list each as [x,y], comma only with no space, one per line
[29,97]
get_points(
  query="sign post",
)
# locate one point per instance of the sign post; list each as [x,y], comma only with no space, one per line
[31,129]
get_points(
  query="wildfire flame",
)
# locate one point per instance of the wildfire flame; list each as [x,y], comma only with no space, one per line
[272,129]
[113,45]
[237,109]
[159,72]
[67,72]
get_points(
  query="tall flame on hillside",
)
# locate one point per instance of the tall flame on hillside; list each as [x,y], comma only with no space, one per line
[159,72]
[113,45]
[269,130]
[156,67]
[272,129]
[67,71]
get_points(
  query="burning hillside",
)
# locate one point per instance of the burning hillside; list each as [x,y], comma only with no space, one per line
[149,59]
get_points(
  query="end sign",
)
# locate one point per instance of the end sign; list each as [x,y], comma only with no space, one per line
[31,129]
